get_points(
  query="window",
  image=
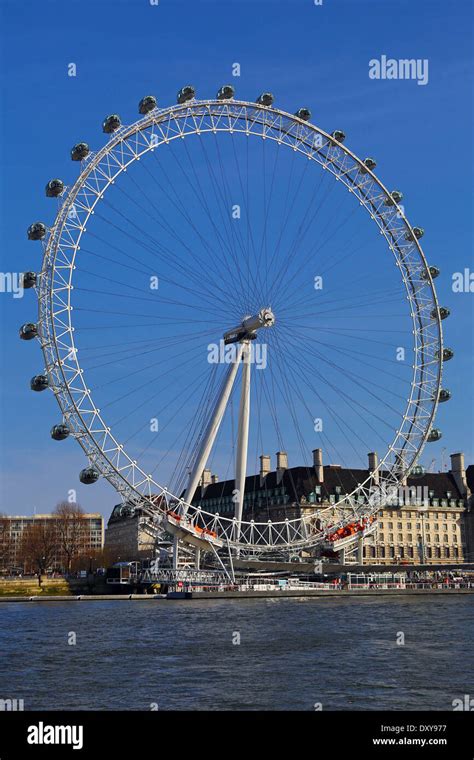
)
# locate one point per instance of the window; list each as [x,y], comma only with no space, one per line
[399,526]
[390,538]
[390,526]
[400,538]
[409,526]
[410,537]
[437,538]
[381,537]
[446,538]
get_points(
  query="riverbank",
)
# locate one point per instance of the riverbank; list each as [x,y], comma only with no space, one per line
[218,595]
[45,587]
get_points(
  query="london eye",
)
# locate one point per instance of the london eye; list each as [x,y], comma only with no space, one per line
[224,279]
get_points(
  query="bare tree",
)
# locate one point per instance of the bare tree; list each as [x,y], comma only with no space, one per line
[39,546]
[5,542]
[71,527]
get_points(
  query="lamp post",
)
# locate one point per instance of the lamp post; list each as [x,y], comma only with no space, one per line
[422,511]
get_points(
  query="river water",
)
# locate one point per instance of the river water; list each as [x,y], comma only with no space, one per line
[339,654]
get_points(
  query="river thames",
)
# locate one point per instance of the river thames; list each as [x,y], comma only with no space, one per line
[294,654]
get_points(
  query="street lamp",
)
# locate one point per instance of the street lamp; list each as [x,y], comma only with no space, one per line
[422,511]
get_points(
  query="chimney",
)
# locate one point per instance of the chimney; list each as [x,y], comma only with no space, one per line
[318,464]
[265,464]
[205,478]
[373,464]
[282,464]
[458,471]
[214,478]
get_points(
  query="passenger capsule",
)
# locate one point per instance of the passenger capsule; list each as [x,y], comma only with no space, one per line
[147,104]
[338,135]
[394,197]
[111,123]
[186,93]
[443,313]
[434,272]
[28,331]
[434,435]
[444,395]
[54,188]
[29,280]
[60,432]
[369,163]
[448,354]
[417,472]
[226,92]
[88,475]
[417,234]
[39,383]
[304,114]
[36,231]
[79,151]
[265,99]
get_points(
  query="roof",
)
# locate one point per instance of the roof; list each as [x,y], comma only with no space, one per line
[470,477]
[301,481]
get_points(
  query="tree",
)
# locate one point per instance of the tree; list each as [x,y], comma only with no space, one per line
[5,542]
[39,546]
[72,528]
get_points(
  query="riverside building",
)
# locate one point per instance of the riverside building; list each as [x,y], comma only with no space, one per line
[429,522]
[14,527]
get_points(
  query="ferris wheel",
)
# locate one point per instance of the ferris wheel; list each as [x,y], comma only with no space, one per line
[223,277]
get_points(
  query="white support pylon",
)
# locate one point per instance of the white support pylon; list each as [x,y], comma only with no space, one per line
[213,427]
[242,438]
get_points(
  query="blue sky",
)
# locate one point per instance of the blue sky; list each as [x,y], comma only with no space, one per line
[316,56]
